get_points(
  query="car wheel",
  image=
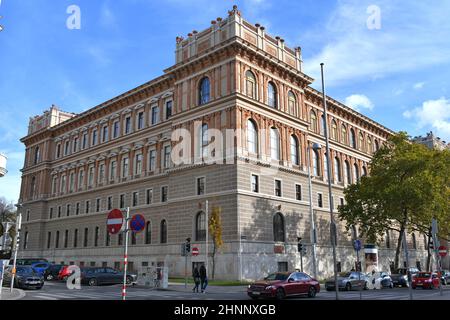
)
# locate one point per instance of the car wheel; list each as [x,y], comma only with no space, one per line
[92,282]
[366,286]
[129,280]
[280,294]
[348,286]
[49,277]
[312,292]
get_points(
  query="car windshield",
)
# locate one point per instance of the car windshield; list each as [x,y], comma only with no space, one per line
[24,270]
[277,276]
[344,274]
[424,275]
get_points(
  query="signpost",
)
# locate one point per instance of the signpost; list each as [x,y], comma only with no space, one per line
[357,247]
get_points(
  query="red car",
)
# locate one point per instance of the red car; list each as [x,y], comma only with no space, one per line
[426,280]
[64,273]
[282,284]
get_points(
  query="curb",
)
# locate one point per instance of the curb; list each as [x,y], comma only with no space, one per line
[16,297]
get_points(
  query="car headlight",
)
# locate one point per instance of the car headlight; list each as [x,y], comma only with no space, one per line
[249,286]
[270,288]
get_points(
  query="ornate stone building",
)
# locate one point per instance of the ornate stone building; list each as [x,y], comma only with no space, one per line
[233,81]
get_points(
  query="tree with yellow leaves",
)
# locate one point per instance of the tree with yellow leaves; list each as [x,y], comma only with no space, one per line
[215,229]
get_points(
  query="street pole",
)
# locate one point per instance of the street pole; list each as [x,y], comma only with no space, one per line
[5,234]
[185,266]
[207,234]
[125,257]
[408,273]
[301,260]
[436,244]
[359,274]
[19,226]
[311,215]
[333,229]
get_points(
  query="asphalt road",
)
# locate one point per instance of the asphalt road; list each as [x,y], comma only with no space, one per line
[59,291]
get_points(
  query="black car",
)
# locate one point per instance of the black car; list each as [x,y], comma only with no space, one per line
[94,276]
[26,278]
[51,273]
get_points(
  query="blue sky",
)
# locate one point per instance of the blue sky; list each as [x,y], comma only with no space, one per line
[398,74]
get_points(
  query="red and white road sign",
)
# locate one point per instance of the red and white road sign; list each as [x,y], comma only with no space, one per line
[195,251]
[442,251]
[115,221]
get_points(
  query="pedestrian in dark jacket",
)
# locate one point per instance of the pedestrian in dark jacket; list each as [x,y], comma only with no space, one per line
[196,276]
[203,278]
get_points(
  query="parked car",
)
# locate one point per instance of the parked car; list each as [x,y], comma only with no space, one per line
[27,261]
[348,281]
[64,273]
[426,280]
[26,278]
[40,267]
[282,284]
[51,273]
[400,276]
[379,280]
[94,276]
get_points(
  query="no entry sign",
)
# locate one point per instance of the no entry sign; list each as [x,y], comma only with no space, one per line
[195,251]
[115,221]
[442,251]
[137,223]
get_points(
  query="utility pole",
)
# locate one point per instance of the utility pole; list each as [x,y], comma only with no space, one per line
[408,273]
[125,257]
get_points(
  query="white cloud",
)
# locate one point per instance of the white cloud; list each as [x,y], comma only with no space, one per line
[433,114]
[107,17]
[359,102]
[419,85]
[352,52]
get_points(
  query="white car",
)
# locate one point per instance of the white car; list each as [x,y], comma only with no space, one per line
[379,280]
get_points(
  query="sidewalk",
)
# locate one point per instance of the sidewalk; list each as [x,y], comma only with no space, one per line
[15,295]
[210,289]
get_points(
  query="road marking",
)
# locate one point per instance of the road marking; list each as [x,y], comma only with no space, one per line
[43,296]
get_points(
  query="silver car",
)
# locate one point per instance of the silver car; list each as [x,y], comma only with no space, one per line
[348,281]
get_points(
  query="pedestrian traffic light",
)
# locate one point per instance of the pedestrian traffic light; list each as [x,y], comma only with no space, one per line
[188,245]
[300,244]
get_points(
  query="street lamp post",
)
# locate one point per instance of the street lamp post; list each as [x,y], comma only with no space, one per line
[333,229]
[313,234]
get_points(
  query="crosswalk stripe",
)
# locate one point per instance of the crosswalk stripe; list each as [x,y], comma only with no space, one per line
[45,297]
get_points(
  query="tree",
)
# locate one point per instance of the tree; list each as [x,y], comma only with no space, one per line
[215,229]
[408,186]
[8,214]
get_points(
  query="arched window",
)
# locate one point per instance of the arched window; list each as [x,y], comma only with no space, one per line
[414,243]
[348,175]
[361,141]
[334,130]
[278,228]
[352,138]
[200,226]
[292,103]
[364,171]
[250,82]
[274,144]
[163,232]
[37,155]
[271,95]
[148,233]
[252,136]
[33,187]
[356,172]
[337,170]
[294,150]
[204,91]
[344,135]
[316,169]
[313,121]
[369,145]
[322,124]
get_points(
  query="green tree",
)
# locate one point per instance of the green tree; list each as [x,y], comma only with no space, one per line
[7,214]
[215,229]
[404,191]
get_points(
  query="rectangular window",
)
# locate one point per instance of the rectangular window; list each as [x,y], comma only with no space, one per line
[91,176]
[167,150]
[94,137]
[200,186]
[255,183]
[108,239]
[135,198]
[59,212]
[127,125]
[125,167]
[66,148]
[110,199]
[88,203]
[85,140]
[341,200]
[122,201]
[278,188]
[116,129]
[168,109]
[152,160]
[298,192]
[113,169]
[319,200]
[96,238]
[77,208]
[72,182]
[58,151]
[149,196]
[155,115]
[51,213]
[86,237]
[105,134]
[140,120]
[68,210]
[138,166]
[75,238]
[66,238]
[49,239]
[101,173]
[57,240]
[81,179]
[75,144]
[164,192]
[97,205]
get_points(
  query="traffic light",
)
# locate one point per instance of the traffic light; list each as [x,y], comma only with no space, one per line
[299,245]
[430,243]
[188,245]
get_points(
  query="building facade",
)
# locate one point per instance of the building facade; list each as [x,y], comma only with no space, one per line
[231,122]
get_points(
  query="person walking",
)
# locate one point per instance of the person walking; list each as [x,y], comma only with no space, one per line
[196,276]
[203,278]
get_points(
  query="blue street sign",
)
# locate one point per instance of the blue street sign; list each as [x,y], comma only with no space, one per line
[137,223]
[357,244]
